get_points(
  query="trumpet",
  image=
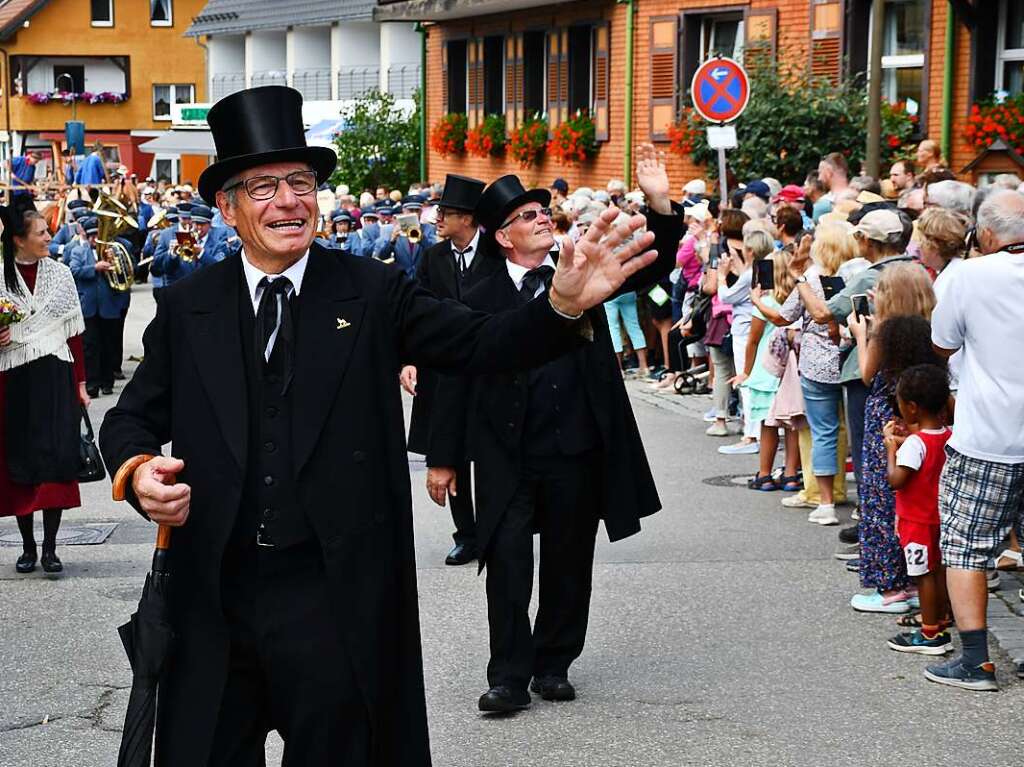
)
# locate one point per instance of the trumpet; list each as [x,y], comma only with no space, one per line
[187,249]
[409,226]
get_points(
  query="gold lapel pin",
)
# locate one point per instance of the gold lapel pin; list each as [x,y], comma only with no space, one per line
[343,323]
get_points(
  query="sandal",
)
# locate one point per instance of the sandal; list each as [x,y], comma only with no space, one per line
[909,621]
[1011,560]
[763,482]
[792,484]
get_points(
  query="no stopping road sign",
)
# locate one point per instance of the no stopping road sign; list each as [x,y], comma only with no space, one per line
[720,90]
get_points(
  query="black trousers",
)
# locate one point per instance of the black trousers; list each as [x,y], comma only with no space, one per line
[462,507]
[101,349]
[289,670]
[556,497]
[119,351]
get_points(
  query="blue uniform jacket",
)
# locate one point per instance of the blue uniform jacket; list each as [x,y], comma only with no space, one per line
[407,256]
[173,269]
[94,292]
[60,242]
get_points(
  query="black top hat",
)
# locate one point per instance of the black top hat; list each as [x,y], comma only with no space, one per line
[461,193]
[502,197]
[258,126]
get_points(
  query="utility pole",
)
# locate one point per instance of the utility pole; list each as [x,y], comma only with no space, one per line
[873,159]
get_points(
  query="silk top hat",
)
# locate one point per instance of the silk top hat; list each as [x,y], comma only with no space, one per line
[461,193]
[504,196]
[258,126]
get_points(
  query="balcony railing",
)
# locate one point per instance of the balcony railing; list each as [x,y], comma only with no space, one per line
[403,80]
[226,83]
[356,82]
[269,77]
[313,84]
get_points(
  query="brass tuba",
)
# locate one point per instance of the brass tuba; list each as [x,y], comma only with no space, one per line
[114,220]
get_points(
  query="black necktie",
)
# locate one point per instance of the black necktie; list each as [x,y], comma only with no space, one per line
[534,279]
[462,259]
[275,314]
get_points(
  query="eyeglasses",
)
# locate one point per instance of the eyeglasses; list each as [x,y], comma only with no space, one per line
[527,216]
[302,182]
[443,213]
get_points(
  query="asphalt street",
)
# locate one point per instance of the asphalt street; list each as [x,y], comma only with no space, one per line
[720,635]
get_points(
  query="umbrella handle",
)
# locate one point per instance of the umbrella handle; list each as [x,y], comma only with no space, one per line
[119,491]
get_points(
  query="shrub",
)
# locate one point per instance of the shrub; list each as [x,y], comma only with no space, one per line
[574,140]
[488,138]
[379,145]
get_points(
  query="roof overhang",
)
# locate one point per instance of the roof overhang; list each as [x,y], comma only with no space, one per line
[445,10]
[19,12]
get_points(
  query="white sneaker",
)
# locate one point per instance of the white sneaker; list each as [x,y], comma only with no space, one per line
[824,515]
[797,502]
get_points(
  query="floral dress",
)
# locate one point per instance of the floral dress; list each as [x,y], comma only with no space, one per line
[882,565]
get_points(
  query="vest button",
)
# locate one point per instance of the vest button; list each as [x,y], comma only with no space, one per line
[268,480]
[358,456]
[270,447]
[271,412]
[268,514]
[511,425]
[273,379]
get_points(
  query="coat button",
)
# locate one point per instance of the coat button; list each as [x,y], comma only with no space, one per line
[358,456]
[268,514]
[270,447]
[511,425]
[271,412]
[268,480]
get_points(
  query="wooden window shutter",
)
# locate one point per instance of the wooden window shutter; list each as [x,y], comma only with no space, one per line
[664,74]
[602,74]
[558,76]
[513,80]
[761,35]
[827,39]
[444,79]
[475,55]
[519,96]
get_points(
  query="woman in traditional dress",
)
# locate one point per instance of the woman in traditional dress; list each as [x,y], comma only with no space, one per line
[42,382]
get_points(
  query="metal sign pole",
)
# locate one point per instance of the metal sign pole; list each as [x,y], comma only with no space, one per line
[722,184]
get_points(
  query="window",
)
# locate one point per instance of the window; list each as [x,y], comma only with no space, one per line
[1010,58]
[165,167]
[75,72]
[903,47]
[456,77]
[102,13]
[703,35]
[160,14]
[533,72]
[494,75]
[165,95]
[579,69]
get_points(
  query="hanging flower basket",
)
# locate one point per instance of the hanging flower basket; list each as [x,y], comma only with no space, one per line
[527,142]
[574,140]
[990,121]
[449,135]
[488,138]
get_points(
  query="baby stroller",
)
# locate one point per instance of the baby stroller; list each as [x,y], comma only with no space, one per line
[693,379]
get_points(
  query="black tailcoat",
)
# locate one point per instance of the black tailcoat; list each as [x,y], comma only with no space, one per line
[481,418]
[438,273]
[359,320]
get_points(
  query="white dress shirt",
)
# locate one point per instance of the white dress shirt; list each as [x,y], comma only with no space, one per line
[253,276]
[470,251]
[518,273]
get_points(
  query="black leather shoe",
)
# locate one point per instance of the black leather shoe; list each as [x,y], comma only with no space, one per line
[849,534]
[108,390]
[553,688]
[118,375]
[51,562]
[93,393]
[26,562]
[504,700]
[461,554]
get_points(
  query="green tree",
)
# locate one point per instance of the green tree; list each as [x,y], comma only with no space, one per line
[379,145]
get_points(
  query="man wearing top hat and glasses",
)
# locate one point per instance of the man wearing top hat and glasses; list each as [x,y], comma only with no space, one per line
[294,600]
[555,449]
[449,269]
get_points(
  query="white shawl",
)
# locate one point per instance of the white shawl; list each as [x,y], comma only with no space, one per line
[52,315]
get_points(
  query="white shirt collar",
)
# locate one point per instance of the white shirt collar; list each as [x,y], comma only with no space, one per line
[517,272]
[295,273]
[470,249]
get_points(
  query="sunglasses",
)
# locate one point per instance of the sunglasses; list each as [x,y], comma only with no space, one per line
[527,216]
[302,182]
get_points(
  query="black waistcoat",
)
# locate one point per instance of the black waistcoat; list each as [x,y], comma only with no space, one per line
[270,510]
[559,420]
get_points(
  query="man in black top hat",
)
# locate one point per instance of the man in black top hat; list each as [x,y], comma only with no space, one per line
[448,270]
[272,374]
[554,450]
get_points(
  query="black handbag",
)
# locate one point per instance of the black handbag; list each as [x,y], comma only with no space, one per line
[90,464]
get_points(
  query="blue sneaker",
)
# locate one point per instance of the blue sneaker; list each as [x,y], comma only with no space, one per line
[956,674]
[877,603]
[916,642]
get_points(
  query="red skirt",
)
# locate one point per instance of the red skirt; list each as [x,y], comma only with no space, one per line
[18,499]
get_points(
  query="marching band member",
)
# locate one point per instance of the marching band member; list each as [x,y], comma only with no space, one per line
[67,234]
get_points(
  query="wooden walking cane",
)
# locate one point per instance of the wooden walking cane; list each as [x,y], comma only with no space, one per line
[119,493]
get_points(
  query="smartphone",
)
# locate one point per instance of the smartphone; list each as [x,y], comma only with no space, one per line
[860,305]
[764,274]
[831,285]
[713,257]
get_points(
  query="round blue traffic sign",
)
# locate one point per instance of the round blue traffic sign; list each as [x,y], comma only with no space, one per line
[720,90]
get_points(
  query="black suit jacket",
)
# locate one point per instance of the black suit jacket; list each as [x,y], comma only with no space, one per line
[481,417]
[437,272]
[358,320]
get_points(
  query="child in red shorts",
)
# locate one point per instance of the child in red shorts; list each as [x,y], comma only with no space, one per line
[916,449]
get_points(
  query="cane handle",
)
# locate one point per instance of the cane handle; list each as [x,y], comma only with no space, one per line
[119,490]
